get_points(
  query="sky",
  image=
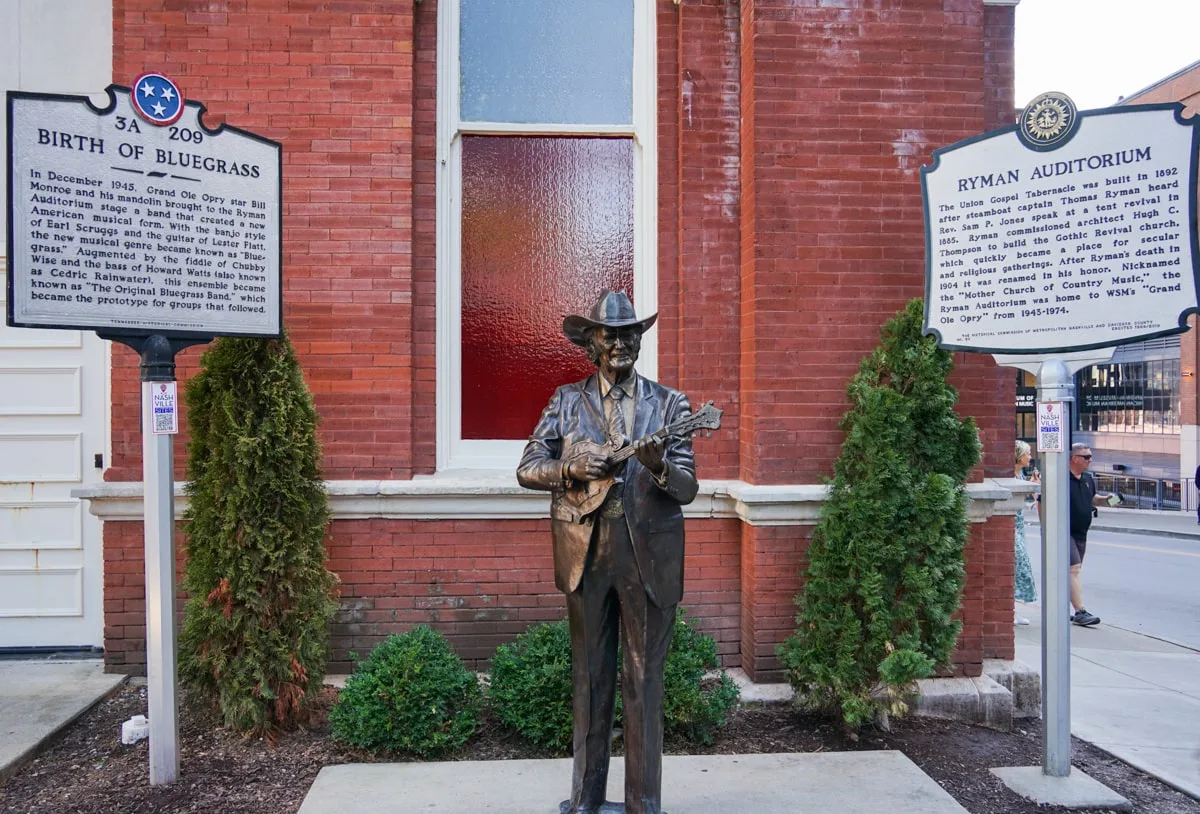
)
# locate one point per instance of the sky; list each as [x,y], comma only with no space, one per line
[1097,51]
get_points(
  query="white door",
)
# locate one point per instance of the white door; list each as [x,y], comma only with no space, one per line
[53,411]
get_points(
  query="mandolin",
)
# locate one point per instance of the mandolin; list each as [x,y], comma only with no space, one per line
[588,495]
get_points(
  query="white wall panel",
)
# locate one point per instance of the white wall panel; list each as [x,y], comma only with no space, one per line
[39,391]
[41,525]
[41,592]
[39,458]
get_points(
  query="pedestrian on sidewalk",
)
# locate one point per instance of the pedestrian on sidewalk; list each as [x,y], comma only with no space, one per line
[1083,500]
[1024,589]
[1196,484]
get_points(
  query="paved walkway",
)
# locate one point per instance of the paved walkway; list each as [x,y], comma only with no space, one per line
[1135,696]
[1143,521]
[843,782]
[40,698]
[1132,695]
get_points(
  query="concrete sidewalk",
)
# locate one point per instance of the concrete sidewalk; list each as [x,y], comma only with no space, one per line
[1181,525]
[1132,695]
[38,699]
[843,782]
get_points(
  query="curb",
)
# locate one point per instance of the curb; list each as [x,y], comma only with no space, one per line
[1178,535]
[1156,637]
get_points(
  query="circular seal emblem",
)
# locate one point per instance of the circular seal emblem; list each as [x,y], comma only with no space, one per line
[1048,122]
[157,99]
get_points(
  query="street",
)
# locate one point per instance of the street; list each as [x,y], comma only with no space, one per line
[1148,584]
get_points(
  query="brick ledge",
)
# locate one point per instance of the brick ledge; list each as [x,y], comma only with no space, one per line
[479,495]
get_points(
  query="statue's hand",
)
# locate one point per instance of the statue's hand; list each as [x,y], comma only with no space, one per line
[591,466]
[650,452]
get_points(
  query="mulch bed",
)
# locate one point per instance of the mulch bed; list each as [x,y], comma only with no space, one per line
[88,771]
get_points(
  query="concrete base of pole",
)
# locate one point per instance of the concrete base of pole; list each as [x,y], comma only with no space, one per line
[1076,790]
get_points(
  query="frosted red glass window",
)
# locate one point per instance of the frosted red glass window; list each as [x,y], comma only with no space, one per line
[546,224]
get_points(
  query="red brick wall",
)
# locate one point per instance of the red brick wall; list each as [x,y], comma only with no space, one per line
[699,154]
[999,66]
[841,105]
[840,108]
[478,583]
[790,228]
[424,256]
[772,557]
[124,598]
[334,84]
[482,584]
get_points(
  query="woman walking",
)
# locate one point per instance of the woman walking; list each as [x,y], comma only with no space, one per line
[1023,586]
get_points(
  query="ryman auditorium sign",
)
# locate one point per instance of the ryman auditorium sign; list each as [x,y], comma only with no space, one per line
[1067,231]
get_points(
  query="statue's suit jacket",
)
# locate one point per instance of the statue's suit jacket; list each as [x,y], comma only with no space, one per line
[654,514]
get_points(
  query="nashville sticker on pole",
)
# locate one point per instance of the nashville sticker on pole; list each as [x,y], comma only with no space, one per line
[166,412]
[1050,426]
[1067,231]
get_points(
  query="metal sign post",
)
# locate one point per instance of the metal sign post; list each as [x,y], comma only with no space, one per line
[1056,385]
[158,476]
[159,424]
[1055,399]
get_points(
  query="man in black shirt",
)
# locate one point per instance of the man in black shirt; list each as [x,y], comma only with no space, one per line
[1083,497]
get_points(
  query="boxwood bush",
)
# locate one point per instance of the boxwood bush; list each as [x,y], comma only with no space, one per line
[530,690]
[695,707]
[412,695]
[531,686]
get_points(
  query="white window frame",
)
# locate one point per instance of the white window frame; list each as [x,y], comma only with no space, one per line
[453,452]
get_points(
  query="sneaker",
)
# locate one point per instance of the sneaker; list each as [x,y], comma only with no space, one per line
[1085,619]
[1021,620]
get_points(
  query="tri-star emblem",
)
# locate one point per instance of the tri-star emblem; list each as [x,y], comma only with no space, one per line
[157,99]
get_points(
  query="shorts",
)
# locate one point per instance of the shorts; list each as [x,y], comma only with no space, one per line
[1078,549]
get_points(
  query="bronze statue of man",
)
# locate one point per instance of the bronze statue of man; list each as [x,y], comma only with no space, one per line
[618,544]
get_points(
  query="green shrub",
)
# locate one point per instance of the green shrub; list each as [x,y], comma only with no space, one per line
[531,689]
[412,695]
[255,633]
[531,686]
[695,707]
[886,566]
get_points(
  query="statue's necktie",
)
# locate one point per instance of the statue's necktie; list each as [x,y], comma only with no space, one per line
[616,432]
[616,418]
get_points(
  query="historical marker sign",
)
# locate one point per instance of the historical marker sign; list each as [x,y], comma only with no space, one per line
[1068,231]
[138,219]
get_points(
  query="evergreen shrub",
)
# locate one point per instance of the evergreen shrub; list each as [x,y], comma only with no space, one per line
[255,633]
[412,695]
[531,688]
[885,566]
[695,707]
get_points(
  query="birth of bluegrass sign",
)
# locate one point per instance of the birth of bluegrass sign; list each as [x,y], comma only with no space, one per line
[1067,231]
[136,218]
